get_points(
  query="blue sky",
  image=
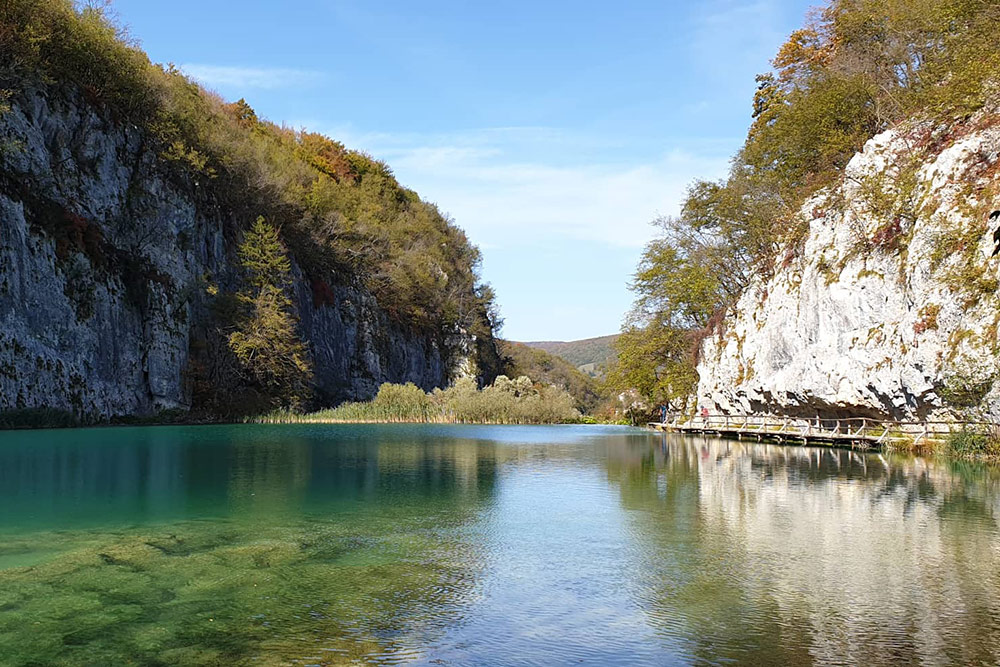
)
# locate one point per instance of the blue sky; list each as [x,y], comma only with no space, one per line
[553,132]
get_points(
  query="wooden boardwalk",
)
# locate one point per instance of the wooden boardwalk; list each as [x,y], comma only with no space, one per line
[861,431]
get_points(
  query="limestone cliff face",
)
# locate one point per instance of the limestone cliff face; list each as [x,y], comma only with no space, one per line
[889,305]
[108,263]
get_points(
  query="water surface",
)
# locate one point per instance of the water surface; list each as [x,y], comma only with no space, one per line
[333,544]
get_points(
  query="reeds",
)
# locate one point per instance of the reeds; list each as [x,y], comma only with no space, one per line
[506,401]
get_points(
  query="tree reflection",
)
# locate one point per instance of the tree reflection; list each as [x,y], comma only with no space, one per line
[771,554]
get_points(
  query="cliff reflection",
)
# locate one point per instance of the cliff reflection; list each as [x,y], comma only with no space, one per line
[771,554]
[105,476]
[232,545]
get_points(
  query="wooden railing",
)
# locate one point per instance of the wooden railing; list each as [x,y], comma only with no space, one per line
[857,429]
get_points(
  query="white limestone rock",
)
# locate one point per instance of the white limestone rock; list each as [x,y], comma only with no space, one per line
[851,326]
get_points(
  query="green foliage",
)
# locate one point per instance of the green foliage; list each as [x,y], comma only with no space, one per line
[973,442]
[74,46]
[506,401]
[264,258]
[37,418]
[816,131]
[265,340]
[966,272]
[657,360]
[698,266]
[966,391]
[859,67]
[397,402]
[522,360]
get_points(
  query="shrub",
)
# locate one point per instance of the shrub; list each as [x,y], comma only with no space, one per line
[972,442]
[37,418]
[966,391]
[506,401]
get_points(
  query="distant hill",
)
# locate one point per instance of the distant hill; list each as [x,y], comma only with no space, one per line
[539,365]
[589,355]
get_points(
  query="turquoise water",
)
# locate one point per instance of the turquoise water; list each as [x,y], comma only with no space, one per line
[334,544]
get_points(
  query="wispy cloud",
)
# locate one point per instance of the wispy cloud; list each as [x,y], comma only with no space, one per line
[267,78]
[731,36]
[507,187]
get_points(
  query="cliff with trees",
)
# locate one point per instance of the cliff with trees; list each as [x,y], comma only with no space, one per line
[163,249]
[846,265]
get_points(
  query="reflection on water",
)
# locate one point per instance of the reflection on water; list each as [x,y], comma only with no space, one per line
[487,545]
[771,554]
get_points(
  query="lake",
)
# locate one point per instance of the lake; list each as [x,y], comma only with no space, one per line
[548,545]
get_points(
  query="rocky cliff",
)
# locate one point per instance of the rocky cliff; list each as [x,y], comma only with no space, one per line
[109,265]
[887,306]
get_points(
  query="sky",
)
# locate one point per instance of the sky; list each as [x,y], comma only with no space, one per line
[553,132]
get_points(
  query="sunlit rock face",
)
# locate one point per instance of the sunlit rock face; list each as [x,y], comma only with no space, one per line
[107,264]
[888,305]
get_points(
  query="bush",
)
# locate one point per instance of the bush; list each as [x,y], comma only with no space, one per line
[974,443]
[966,390]
[37,418]
[506,401]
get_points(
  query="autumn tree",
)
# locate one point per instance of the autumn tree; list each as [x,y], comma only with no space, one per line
[265,340]
[858,67]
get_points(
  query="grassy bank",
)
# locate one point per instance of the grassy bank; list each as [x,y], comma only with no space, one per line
[506,401]
[972,442]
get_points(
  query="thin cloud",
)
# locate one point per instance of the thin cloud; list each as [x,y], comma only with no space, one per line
[736,31]
[265,78]
[506,190]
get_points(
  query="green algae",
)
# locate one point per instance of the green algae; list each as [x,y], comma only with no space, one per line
[215,592]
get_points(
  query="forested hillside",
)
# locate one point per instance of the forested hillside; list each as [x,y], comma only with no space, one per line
[915,81]
[163,248]
[521,359]
[590,355]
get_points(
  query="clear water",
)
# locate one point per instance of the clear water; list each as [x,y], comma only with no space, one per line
[320,544]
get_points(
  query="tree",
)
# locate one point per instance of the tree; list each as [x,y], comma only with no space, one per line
[658,361]
[265,340]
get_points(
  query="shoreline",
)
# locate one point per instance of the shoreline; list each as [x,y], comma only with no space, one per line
[914,451]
